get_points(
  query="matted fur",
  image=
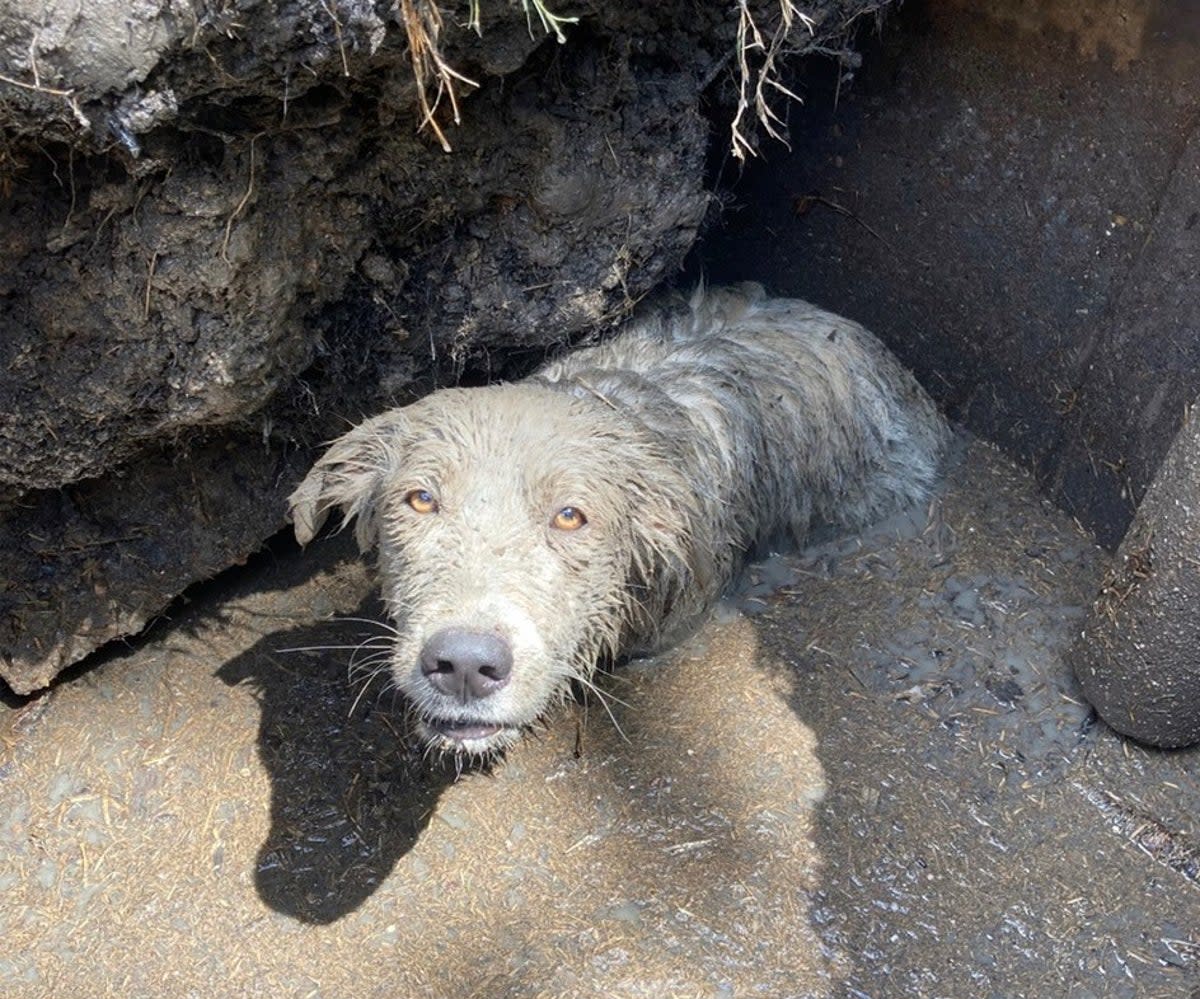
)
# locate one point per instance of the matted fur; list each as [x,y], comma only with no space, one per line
[707,427]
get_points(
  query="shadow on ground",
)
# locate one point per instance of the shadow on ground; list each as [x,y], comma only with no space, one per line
[881,785]
[349,796]
[206,813]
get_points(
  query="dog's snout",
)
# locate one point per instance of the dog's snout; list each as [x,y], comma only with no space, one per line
[466,665]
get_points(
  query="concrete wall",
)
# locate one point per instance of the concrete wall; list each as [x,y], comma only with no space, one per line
[1008,194]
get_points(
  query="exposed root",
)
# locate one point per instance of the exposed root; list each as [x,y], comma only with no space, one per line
[758,83]
[67,95]
[37,87]
[551,23]
[149,284]
[241,205]
[337,31]
[759,50]
[423,25]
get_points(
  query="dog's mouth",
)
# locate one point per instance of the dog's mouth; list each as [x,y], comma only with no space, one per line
[463,731]
[470,736]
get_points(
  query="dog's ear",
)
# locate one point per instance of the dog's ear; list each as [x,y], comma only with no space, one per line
[349,476]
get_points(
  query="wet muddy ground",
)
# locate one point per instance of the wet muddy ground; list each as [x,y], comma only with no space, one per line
[877,779]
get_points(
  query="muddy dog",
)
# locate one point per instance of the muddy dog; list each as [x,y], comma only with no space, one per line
[528,531]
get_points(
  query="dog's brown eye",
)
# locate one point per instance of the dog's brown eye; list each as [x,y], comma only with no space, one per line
[569,518]
[422,501]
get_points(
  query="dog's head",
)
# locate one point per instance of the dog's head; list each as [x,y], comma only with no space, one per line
[523,534]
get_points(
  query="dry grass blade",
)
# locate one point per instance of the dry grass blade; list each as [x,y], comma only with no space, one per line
[423,24]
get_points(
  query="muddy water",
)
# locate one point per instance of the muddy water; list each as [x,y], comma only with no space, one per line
[878,781]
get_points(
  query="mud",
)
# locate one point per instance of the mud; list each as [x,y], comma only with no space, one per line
[983,834]
[880,783]
[239,820]
[1137,655]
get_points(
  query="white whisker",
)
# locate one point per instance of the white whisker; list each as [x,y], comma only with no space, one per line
[371,667]
[330,648]
[604,699]
[362,691]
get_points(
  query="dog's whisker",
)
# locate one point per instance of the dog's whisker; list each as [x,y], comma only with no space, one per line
[604,703]
[323,648]
[355,674]
[367,653]
[358,656]
[362,691]
[385,626]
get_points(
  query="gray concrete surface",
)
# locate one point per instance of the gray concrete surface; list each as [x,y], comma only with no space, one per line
[1138,658]
[1006,193]
[878,781]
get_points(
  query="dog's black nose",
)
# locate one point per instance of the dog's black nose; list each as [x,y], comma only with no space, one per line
[466,665]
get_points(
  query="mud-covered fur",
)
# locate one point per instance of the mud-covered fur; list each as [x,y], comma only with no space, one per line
[706,428]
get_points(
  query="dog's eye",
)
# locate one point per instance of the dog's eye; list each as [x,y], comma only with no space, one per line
[422,500]
[569,518]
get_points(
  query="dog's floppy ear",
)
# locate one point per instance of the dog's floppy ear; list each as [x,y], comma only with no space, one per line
[349,476]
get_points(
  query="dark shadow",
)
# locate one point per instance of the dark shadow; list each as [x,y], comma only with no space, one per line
[272,565]
[350,795]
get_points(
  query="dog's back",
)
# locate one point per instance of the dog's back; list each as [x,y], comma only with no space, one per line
[795,415]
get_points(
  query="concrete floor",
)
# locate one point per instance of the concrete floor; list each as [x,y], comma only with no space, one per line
[877,781]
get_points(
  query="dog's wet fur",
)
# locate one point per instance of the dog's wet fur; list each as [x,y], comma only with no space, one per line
[527,532]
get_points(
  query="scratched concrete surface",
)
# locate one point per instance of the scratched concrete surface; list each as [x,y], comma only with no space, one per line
[875,780]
